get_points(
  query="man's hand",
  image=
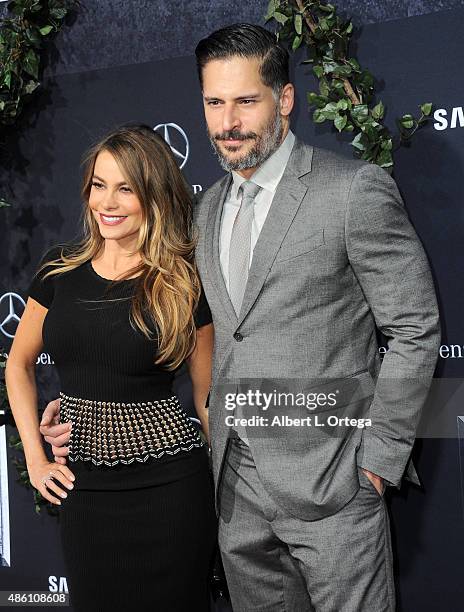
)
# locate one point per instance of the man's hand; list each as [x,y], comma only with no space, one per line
[377,481]
[54,432]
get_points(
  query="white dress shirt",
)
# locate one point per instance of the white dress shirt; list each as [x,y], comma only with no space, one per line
[267,176]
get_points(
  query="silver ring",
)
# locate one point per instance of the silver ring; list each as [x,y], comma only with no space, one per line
[49,477]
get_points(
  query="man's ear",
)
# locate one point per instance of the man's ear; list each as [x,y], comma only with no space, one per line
[287,99]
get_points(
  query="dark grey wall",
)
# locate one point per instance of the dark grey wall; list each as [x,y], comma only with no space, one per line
[121,32]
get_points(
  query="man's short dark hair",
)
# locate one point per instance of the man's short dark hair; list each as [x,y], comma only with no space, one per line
[248,41]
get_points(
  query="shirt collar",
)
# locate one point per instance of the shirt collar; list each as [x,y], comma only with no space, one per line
[268,175]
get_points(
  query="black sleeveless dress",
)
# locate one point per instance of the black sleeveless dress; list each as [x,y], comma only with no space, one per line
[138,530]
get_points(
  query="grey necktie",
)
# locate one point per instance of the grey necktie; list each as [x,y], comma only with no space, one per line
[239,250]
[239,262]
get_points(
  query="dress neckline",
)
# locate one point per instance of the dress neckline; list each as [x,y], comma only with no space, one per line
[109,280]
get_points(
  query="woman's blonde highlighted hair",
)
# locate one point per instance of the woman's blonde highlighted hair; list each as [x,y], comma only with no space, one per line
[167,287]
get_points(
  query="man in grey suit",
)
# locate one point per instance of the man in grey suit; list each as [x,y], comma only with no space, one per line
[302,254]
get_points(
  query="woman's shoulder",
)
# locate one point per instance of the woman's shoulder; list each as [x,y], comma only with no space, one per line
[41,288]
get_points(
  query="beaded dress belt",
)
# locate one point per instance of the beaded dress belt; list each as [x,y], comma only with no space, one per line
[111,433]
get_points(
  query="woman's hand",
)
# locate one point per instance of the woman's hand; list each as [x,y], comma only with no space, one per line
[38,473]
[55,433]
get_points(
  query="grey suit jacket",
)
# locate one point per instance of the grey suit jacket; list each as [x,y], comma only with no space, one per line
[336,257]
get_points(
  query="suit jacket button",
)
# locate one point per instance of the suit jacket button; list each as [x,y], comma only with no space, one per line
[238,336]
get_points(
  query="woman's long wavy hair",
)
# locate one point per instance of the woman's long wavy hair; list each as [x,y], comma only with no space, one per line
[168,286]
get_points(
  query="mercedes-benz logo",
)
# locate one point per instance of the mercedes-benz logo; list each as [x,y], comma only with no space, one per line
[12,318]
[177,139]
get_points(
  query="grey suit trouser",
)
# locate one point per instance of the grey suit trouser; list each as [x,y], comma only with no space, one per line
[276,562]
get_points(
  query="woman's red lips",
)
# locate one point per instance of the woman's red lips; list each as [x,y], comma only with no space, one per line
[112,219]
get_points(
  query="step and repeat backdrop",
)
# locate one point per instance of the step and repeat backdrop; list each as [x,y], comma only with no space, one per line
[419,60]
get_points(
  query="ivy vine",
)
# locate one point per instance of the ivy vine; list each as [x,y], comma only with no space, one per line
[346,89]
[24,35]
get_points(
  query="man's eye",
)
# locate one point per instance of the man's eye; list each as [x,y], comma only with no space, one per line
[247,102]
[213,103]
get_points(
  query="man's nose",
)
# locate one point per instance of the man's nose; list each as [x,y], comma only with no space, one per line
[230,119]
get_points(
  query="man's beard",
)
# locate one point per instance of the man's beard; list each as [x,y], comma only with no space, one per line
[265,145]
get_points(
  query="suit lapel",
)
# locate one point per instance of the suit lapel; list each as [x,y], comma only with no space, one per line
[287,199]
[212,233]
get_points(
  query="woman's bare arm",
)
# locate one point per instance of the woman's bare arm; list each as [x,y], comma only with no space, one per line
[199,364]
[22,397]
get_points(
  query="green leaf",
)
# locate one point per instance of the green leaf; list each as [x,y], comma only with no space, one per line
[324,24]
[281,18]
[385,159]
[354,64]
[329,66]
[407,121]
[311,97]
[298,22]
[349,28]
[342,104]
[33,35]
[342,70]
[368,155]
[340,122]
[318,116]
[358,142]
[360,112]
[366,79]
[324,87]
[378,111]
[387,144]
[296,42]
[35,6]
[31,63]
[58,13]
[14,67]
[46,30]
[370,132]
[7,79]
[271,8]
[31,86]
[319,101]
[330,110]
[426,108]
[328,53]
[318,71]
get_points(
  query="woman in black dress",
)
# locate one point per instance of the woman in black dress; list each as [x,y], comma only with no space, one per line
[119,311]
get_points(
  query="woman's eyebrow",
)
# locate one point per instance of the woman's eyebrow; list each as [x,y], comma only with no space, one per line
[95,176]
